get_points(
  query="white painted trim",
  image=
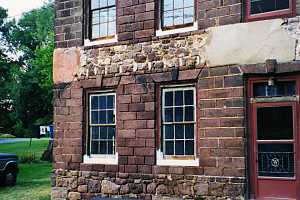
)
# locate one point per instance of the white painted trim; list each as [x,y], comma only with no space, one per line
[101,159]
[88,43]
[161,161]
[161,32]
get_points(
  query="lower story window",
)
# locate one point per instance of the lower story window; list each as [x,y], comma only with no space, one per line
[178,122]
[102,126]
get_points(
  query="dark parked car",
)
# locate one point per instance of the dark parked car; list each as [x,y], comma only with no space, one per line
[8,169]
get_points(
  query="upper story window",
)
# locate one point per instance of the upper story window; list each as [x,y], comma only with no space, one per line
[264,9]
[102,128]
[177,16]
[102,19]
[177,13]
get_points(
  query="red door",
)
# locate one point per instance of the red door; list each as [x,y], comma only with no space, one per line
[274,147]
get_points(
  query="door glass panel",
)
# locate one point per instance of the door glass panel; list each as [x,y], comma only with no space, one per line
[282,88]
[275,123]
[276,160]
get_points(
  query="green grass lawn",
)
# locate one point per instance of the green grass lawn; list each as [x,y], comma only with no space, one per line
[33,182]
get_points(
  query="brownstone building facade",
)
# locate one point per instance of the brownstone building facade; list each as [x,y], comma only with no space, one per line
[173,99]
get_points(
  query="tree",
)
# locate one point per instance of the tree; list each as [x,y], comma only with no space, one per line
[26,70]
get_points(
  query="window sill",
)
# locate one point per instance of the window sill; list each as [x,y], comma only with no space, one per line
[89,43]
[161,161]
[161,32]
[101,159]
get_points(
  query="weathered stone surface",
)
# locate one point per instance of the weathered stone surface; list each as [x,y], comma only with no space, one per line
[59,193]
[82,188]
[108,187]
[201,189]
[151,188]
[94,186]
[162,189]
[124,189]
[74,196]
[66,64]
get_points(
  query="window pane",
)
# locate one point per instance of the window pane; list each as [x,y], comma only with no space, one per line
[178,4]
[189,97]
[104,16]
[103,3]
[112,14]
[110,117]
[96,17]
[169,131]
[179,147]
[111,2]
[189,131]
[188,15]
[262,6]
[112,28]
[282,88]
[169,148]
[103,147]
[168,98]
[168,18]
[94,117]
[188,3]
[102,117]
[178,17]
[110,102]
[95,147]
[178,114]
[95,133]
[94,4]
[275,123]
[95,31]
[111,132]
[102,102]
[103,30]
[168,5]
[110,149]
[189,113]
[179,132]
[103,133]
[189,147]
[168,115]
[179,98]
[94,102]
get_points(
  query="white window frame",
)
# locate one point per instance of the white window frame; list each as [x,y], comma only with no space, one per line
[100,158]
[89,42]
[167,160]
[161,32]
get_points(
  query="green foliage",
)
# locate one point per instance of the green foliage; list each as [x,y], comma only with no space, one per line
[26,95]
[28,157]
[5,136]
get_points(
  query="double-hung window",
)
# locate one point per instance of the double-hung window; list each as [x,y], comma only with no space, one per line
[263,9]
[102,21]
[178,125]
[102,128]
[177,16]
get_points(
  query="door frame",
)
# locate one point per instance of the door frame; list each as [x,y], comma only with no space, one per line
[252,144]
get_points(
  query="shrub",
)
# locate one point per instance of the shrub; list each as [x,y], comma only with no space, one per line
[28,157]
[7,136]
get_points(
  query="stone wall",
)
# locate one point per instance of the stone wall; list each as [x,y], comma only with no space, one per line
[75,185]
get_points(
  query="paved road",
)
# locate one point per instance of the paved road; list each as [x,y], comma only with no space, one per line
[12,140]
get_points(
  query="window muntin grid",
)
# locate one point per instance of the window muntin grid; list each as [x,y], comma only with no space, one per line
[178,121]
[177,13]
[102,123]
[103,18]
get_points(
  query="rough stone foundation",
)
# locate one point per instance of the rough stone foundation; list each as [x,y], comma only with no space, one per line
[75,185]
